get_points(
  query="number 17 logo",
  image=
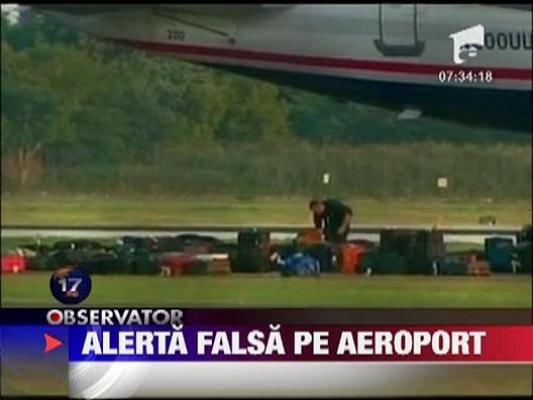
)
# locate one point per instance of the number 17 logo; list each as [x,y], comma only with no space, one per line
[72,290]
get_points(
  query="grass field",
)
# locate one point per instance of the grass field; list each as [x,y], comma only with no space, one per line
[143,210]
[271,290]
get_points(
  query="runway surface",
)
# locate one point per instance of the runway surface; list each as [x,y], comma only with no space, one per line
[475,234]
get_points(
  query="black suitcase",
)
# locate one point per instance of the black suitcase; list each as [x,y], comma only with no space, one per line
[379,262]
[452,265]
[498,252]
[323,253]
[418,248]
[522,254]
[253,251]
[105,265]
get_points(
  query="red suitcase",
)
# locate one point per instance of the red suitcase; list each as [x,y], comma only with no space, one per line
[13,264]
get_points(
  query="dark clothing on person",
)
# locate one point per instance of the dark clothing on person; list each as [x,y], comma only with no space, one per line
[332,219]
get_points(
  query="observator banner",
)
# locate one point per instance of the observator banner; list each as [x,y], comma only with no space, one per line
[134,352]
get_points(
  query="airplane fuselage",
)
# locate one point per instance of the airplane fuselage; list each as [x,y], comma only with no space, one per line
[397,56]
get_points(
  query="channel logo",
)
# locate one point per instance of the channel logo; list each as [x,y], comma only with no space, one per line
[467,43]
[119,317]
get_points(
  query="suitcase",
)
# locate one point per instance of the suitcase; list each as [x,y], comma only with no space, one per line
[429,244]
[105,264]
[219,267]
[36,256]
[169,244]
[196,249]
[379,262]
[300,264]
[323,253]
[197,267]
[451,265]
[367,244]
[186,240]
[249,262]
[522,254]
[253,251]
[38,263]
[498,253]
[139,243]
[478,268]
[172,264]
[13,264]
[350,256]
[309,236]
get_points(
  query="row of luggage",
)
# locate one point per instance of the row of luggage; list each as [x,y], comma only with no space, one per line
[131,255]
[256,253]
[456,265]
[399,252]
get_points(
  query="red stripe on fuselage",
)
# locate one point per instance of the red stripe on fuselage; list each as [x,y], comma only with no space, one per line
[314,61]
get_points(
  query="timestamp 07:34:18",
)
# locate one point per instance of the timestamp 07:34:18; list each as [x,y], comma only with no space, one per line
[464,76]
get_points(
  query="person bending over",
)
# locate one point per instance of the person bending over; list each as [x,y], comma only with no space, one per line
[333,218]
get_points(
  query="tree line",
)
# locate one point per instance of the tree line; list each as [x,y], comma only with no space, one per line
[77,111]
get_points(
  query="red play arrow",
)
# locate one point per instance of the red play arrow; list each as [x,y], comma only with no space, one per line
[52,343]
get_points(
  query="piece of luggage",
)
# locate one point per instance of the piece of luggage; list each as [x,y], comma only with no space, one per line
[379,262]
[192,240]
[105,264]
[299,264]
[219,266]
[349,258]
[70,253]
[172,264]
[498,252]
[522,257]
[168,244]
[196,249]
[283,250]
[253,251]
[419,247]
[36,256]
[13,264]
[423,243]
[479,268]
[451,265]
[323,253]
[468,255]
[143,262]
[197,267]
[37,263]
[309,236]
[139,243]
[367,244]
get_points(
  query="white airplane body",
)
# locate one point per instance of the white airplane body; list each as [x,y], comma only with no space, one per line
[400,56]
